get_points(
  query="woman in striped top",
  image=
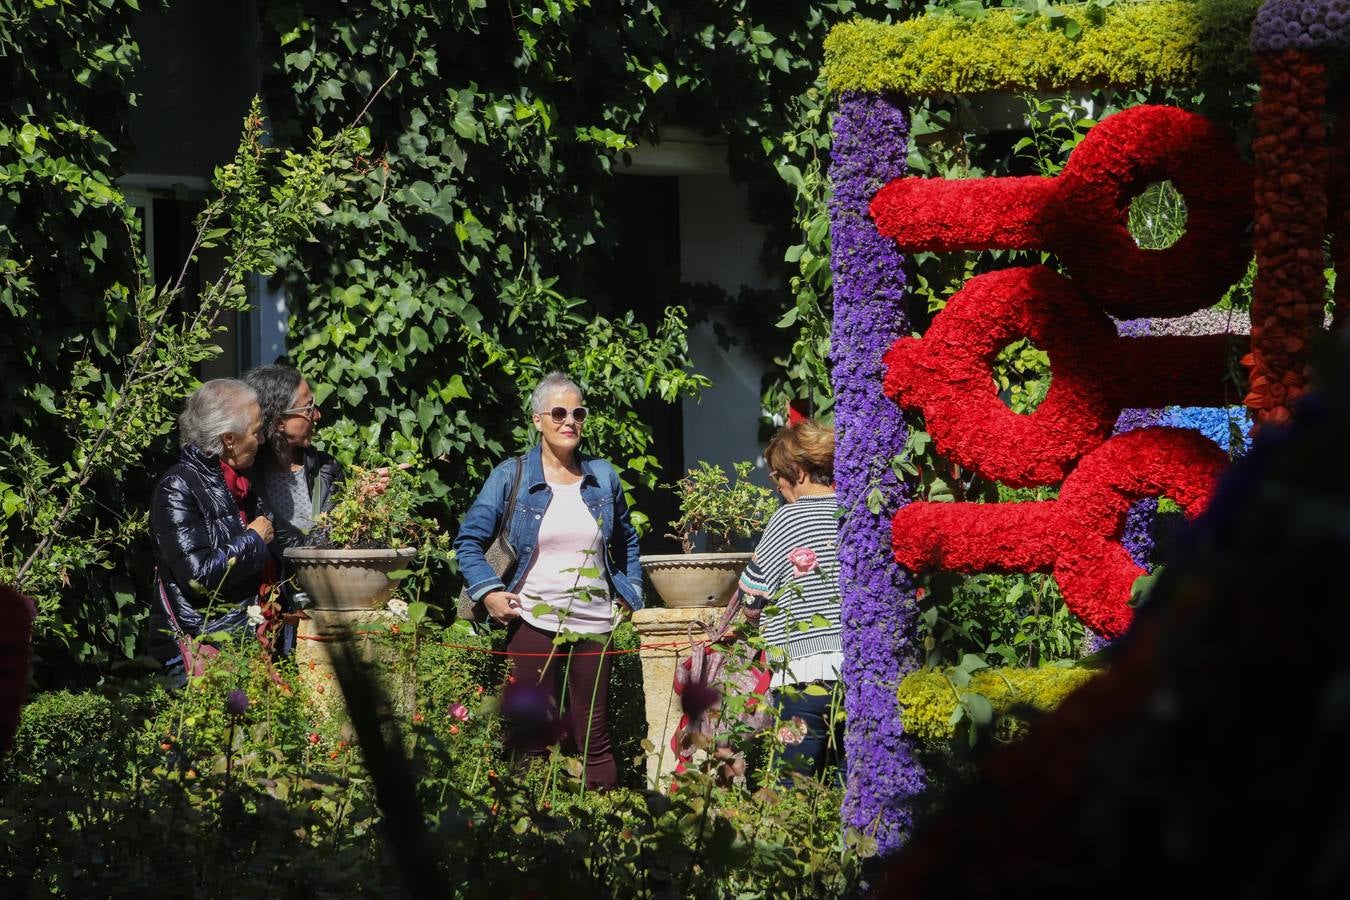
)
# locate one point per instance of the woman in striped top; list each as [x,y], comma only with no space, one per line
[795,571]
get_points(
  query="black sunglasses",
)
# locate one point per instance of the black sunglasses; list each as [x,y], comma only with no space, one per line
[559,414]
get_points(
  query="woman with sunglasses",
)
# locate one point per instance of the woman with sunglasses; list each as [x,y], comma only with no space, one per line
[295,478]
[576,566]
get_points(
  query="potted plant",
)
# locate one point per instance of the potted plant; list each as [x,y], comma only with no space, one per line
[368,534]
[721,510]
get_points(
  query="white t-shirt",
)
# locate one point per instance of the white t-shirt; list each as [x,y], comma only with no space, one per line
[569,542]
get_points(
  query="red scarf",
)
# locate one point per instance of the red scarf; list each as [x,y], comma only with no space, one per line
[268,599]
[239,488]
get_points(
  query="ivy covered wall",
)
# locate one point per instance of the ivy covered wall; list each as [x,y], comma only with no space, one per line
[486,248]
[66,271]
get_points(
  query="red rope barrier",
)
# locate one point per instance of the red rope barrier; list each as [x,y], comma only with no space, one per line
[326,639]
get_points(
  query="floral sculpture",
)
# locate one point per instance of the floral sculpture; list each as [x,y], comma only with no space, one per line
[1080,216]
[1101,434]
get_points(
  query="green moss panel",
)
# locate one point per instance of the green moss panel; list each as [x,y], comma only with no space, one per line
[1134,45]
[928,697]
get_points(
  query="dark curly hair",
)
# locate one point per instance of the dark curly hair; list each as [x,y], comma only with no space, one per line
[276,386]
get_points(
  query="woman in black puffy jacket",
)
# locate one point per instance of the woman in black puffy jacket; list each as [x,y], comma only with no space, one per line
[212,536]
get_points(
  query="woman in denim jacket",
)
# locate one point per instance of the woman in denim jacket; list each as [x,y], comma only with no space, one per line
[576,568]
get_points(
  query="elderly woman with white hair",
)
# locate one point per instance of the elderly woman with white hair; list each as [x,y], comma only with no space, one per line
[211,534]
[576,568]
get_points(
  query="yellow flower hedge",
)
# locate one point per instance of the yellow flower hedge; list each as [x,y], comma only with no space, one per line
[928,697]
[1139,43]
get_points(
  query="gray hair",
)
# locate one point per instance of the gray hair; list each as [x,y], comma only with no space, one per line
[553,381]
[220,406]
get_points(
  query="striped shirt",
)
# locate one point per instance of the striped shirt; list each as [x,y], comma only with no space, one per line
[796,567]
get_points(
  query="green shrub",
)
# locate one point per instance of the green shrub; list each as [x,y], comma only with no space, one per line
[1136,44]
[70,726]
[930,697]
[263,803]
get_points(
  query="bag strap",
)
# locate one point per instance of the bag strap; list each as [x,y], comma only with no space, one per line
[515,489]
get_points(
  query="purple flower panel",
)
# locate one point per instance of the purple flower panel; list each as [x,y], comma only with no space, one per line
[1301,25]
[877,597]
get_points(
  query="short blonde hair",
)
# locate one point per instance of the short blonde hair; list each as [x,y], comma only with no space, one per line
[807,447]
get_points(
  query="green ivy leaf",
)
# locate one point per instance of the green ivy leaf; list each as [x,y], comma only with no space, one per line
[978,707]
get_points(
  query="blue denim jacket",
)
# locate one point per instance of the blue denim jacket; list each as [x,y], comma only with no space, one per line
[603,495]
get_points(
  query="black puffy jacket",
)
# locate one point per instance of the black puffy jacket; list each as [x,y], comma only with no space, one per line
[196,531]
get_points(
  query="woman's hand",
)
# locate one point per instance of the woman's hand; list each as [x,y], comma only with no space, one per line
[379,483]
[263,526]
[502,606]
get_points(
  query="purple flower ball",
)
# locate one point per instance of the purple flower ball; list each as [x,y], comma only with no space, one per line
[1317,31]
[236,703]
[1307,15]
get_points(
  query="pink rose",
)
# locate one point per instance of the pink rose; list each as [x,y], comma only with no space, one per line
[792,731]
[459,711]
[803,560]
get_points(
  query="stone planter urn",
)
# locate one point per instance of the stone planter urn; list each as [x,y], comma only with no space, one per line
[347,580]
[694,580]
[695,588]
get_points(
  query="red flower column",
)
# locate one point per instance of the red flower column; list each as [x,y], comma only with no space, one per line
[16,625]
[1292,166]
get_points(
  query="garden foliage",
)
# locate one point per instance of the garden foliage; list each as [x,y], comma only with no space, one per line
[67,272]
[237,788]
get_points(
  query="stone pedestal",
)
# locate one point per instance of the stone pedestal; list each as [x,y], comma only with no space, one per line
[326,630]
[665,627]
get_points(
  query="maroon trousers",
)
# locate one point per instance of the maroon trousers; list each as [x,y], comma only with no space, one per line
[583,698]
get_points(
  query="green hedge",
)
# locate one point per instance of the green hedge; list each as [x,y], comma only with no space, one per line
[929,697]
[1137,44]
[65,726]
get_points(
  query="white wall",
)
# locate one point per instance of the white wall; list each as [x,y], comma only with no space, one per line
[719,244]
